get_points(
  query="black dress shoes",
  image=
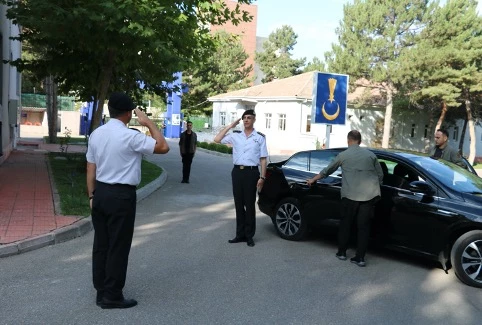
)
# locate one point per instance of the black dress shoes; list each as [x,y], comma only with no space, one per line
[236,240]
[123,303]
[250,242]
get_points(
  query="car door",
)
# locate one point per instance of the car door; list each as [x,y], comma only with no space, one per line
[322,201]
[404,218]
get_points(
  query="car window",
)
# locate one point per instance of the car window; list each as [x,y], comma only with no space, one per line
[452,176]
[397,174]
[321,159]
[299,161]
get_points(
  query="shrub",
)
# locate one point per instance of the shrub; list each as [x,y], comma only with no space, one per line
[215,147]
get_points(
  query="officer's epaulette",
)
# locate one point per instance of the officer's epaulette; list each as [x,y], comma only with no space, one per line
[237,131]
[261,134]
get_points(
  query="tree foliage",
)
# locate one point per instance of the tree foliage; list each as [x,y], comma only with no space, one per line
[225,70]
[94,47]
[315,65]
[276,61]
[372,37]
[446,63]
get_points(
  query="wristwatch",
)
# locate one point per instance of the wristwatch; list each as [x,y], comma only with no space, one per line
[262,177]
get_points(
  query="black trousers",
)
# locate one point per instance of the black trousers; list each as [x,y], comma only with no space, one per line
[113,216]
[362,212]
[244,192]
[186,165]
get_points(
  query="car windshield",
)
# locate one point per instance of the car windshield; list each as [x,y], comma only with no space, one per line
[451,175]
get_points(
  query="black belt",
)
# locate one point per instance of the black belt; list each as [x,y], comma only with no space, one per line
[117,185]
[245,167]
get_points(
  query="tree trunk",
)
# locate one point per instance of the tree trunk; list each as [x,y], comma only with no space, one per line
[52,108]
[473,140]
[442,116]
[103,87]
[462,137]
[428,139]
[388,116]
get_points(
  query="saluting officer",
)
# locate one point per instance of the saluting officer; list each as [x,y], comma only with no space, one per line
[249,151]
[113,171]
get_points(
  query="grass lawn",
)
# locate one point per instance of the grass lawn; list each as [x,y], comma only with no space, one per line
[69,174]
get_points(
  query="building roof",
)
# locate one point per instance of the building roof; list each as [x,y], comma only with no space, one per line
[296,88]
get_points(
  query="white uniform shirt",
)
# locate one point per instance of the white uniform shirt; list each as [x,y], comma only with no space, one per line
[117,152]
[247,150]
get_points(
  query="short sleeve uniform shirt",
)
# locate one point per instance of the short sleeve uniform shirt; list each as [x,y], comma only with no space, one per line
[247,150]
[117,152]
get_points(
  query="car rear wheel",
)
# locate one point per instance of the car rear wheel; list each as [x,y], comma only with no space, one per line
[289,221]
[466,258]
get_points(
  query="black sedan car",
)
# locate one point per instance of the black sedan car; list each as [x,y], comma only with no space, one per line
[429,207]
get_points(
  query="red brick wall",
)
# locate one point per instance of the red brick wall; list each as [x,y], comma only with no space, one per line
[247,31]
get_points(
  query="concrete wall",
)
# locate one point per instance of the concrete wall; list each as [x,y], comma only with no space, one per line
[10,85]
[69,119]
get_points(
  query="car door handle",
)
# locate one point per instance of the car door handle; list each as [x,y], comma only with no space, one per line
[447,213]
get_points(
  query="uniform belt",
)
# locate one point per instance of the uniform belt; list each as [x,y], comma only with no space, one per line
[245,167]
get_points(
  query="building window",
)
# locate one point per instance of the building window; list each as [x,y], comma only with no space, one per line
[412,133]
[282,122]
[268,120]
[222,118]
[425,132]
[308,123]
[456,133]
[234,115]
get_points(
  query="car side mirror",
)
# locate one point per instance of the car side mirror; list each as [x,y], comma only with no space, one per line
[421,187]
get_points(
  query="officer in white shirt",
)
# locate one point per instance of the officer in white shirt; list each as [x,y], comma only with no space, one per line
[113,171]
[249,151]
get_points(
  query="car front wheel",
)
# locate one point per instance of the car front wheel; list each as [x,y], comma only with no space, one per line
[289,221]
[466,258]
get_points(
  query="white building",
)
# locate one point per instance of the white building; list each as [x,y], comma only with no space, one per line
[284,109]
[10,86]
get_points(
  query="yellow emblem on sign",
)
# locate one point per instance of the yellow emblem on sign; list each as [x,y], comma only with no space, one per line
[331,99]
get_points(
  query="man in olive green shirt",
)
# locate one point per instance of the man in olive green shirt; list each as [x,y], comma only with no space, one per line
[443,151]
[360,190]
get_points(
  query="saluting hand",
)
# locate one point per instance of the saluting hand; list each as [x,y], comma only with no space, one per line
[141,117]
[233,125]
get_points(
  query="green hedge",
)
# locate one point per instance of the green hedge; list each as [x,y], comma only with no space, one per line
[215,147]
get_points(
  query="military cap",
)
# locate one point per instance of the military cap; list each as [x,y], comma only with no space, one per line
[248,112]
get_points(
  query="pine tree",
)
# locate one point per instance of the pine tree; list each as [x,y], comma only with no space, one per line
[276,60]
[225,70]
[372,36]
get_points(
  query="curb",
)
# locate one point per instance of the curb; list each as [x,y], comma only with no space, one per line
[77,229]
[215,153]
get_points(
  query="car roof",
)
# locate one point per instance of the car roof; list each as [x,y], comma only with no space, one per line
[390,152]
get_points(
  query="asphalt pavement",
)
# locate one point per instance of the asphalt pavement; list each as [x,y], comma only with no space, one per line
[183,271]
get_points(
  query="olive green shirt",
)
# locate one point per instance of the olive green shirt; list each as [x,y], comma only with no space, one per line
[362,174]
[449,154]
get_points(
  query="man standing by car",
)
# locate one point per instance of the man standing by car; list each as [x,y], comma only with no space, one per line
[249,151]
[362,176]
[443,151]
[113,171]
[187,147]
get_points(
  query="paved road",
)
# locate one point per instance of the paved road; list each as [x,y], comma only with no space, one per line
[183,271]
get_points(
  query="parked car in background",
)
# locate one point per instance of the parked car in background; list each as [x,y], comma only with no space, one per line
[431,208]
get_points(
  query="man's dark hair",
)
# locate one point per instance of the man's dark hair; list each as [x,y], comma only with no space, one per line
[115,112]
[444,132]
[187,122]
[354,135]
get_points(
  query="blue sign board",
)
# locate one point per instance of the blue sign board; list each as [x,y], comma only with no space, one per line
[330,94]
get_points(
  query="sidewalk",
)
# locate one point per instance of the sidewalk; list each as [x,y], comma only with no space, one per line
[29,206]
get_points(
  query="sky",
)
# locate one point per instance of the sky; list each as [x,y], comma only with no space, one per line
[314,21]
